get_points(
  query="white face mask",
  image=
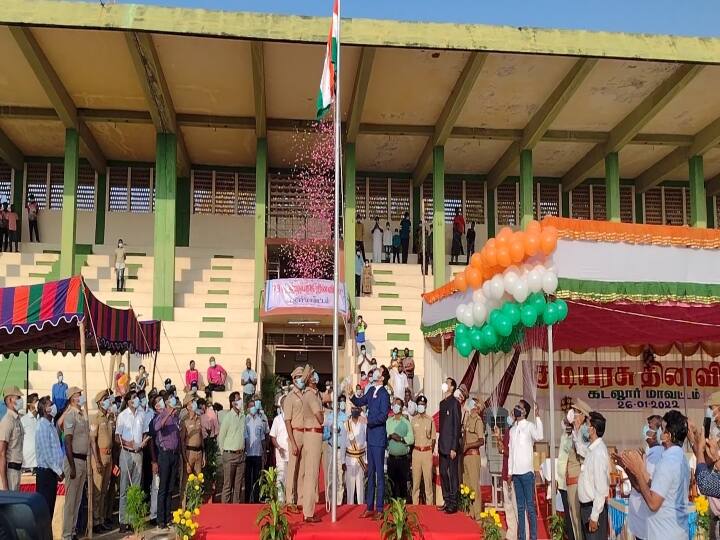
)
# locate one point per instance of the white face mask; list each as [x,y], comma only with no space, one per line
[457,394]
[53,410]
[122,369]
[212,364]
[81,401]
[570,416]
[421,409]
[161,404]
[60,378]
[444,387]
[237,405]
[396,409]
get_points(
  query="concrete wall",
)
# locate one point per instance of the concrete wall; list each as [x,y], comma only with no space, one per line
[136,230]
[50,225]
[231,232]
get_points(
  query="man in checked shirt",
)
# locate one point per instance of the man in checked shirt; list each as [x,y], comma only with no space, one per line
[48,453]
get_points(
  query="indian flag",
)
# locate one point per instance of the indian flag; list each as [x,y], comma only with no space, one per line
[326,95]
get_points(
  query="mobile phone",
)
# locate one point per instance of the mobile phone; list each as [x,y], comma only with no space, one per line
[706,425]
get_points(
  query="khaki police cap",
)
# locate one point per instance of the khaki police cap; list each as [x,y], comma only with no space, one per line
[12,391]
[190,397]
[297,372]
[72,391]
[714,398]
[580,405]
[101,395]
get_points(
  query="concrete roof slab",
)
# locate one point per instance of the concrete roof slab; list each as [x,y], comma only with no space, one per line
[388,153]
[218,146]
[18,84]
[36,137]
[125,142]
[472,156]
[636,158]
[555,159]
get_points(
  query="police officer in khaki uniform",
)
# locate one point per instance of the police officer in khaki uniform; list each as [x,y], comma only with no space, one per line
[473,437]
[191,441]
[77,447]
[293,414]
[424,432]
[11,441]
[313,419]
[102,428]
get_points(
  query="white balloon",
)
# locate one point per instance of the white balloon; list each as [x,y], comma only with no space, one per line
[534,281]
[487,289]
[479,314]
[521,291]
[469,320]
[497,287]
[479,296]
[510,278]
[459,311]
[550,282]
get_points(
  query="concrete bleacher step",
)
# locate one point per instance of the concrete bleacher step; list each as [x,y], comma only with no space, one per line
[215,288]
[203,329]
[229,315]
[368,303]
[208,301]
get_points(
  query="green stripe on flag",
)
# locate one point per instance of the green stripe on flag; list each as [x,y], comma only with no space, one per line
[34,302]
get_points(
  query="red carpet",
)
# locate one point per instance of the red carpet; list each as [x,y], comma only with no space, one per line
[237,522]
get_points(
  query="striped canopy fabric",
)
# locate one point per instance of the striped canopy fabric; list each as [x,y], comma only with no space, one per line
[46,317]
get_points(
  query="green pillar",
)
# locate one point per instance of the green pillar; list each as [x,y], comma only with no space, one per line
[438,262]
[349,224]
[698,203]
[491,217]
[182,213]
[639,208]
[165,190]
[612,186]
[565,204]
[18,194]
[100,209]
[526,188]
[260,210]
[710,203]
[69,210]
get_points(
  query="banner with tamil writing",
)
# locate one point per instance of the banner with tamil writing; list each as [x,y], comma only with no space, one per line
[303,293]
[631,385]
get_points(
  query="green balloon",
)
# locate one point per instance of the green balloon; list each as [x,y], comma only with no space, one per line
[494,314]
[475,337]
[528,316]
[464,347]
[489,337]
[461,332]
[512,311]
[502,325]
[562,309]
[537,300]
[550,314]
[483,350]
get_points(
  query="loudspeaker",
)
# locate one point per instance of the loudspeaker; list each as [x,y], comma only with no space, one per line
[24,516]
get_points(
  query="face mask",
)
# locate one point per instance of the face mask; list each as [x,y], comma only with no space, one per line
[212,364]
[517,413]
[396,409]
[53,410]
[341,405]
[394,354]
[160,404]
[471,404]
[135,402]
[585,432]
[299,383]
[509,421]
[363,377]
[316,378]
[457,394]
[421,409]
[167,387]
[173,401]
[106,404]
[81,401]
[193,407]
[122,369]
[355,413]
[658,435]
[570,416]
[19,404]
[60,378]
[444,387]
[258,405]
[114,408]
[144,402]
[253,410]
[376,376]
[237,405]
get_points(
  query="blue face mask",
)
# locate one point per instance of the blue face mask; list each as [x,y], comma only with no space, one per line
[106,404]
[316,378]
[300,383]
[253,410]
[193,406]
[585,432]
[258,405]
[136,402]
[341,405]
[173,401]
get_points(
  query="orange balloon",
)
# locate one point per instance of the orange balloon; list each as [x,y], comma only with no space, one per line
[490,254]
[490,243]
[476,260]
[532,244]
[460,282]
[488,271]
[505,232]
[548,242]
[502,241]
[473,277]
[533,227]
[503,257]
[517,250]
[551,230]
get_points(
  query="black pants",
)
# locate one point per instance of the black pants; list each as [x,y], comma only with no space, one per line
[147,475]
[33,226]
[396,254]
[167,467]
[359,244]
[449,481]
[569,534]
[211,387]
[120,278]
[404,244]
[358,291]
[471,250]
[3,239]
[602,530]
[46,483]
[253,465]
[397,467]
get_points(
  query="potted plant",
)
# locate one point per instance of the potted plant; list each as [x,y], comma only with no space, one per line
[185,519]
[467,498]
[137,511]
[273,522]
[269,486]
[399,523]
[702,507]
[491,525]
[557,527]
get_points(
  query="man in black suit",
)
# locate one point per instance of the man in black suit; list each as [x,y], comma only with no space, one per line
[449,443]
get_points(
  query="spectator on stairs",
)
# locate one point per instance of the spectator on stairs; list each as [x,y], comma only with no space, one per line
[120,256]
[141,378]
[470,239]
[58,392]
[458,231]
[360,328]
[216,375]
[33,210]
[360,237]
[192,376]
[387,242]
[122,381]
[363,361]
[377,236]
[367,279]
[248,379]
[12,232]
[359,265]
[398,378]
[3,225]
[405,225]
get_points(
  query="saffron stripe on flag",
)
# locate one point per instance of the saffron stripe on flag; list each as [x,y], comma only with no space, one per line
[20,305]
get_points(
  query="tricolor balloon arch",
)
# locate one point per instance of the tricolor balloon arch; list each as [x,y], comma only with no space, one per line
[513,282]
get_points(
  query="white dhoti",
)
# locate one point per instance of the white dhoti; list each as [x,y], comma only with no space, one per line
[355,478]
[281,466]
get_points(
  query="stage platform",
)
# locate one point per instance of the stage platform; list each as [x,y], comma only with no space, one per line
[237,522]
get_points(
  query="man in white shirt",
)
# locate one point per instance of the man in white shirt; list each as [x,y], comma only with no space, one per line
[279,439]
[594,482]
[398,379]
[129,435]
[363,361]
[355,463]
[29,423]
[638,511]
[523,435]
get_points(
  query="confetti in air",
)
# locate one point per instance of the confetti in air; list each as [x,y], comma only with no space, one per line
[309,250]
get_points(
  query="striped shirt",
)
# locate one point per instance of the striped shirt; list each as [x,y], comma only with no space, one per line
[48,452]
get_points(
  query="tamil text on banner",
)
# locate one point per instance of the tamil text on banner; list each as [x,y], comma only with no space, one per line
[631,385]
[303,293]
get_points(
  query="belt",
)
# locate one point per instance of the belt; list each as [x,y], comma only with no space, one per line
[298,429]
[81,457]
[358,453]
[14,466]
[313,430]
[423,448]
[232,451]
[194,448]
[572,481]
[125,449]
[472,452]
[106,451]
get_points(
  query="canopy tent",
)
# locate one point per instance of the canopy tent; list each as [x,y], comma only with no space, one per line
[626,285]
[46,317]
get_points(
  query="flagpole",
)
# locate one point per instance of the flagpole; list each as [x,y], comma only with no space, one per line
[336,277]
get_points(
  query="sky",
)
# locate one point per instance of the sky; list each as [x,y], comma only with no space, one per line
[685,17]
